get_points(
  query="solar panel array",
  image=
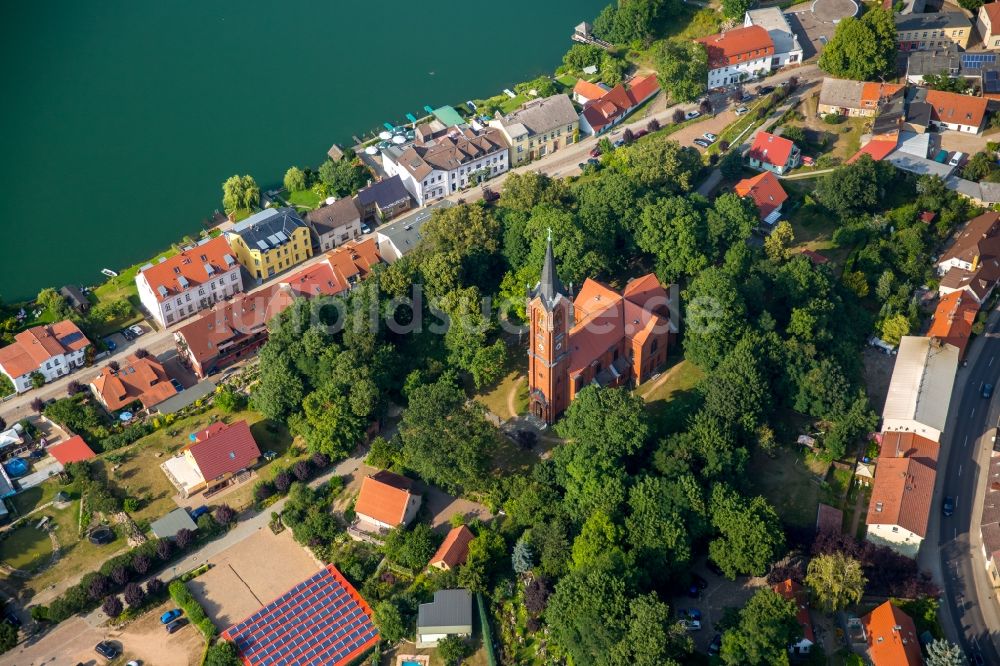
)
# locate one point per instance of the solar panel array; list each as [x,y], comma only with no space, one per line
[321,621]
[991,81]
[976,60]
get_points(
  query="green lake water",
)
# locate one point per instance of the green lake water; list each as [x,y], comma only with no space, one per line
[121,118]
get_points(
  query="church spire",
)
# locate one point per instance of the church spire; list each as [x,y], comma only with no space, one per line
[549,287]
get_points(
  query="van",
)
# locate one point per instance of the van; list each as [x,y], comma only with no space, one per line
[176,624]
[956,159]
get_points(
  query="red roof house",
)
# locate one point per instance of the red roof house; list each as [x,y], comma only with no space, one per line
[766,192]
[386,501]
[141,380]
[454,549]
[51,349]
[738,45]
[607,110]
[877,150]
[584,91]
[222,450]
[773,153]
[891,637]
[953,319]
[794,592]
[72,450]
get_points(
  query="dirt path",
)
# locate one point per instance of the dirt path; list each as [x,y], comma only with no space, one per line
[512,398]
[859,508]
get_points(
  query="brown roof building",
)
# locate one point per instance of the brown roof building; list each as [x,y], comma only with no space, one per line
[454,549]
[334,224]
[141,380]
[901,504]
[972,263]
[953,319]
[218,453]
[386,501]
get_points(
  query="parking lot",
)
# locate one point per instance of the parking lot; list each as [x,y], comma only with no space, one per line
[715,125]
[720,594]
[122,339]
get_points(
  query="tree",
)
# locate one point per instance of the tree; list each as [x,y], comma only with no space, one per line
[750,536]
[673,231]
[660,162]
[453,649]
[855,188]
[411,548]
[222,653]
[862,49]
[941,652]
[8,636]
[835,581]
[155,587]
[134,595]
[630,21]
[112,606]
[389,621]
[586,614]
[979,166]
[856,282]
[224,514]
[731,165]
[183,538]
[522,559]
[766,627]
[230,400]
[141,563]
[736,9]
[778,241]
[892,329]
[295,179]
[582,55]
[53,301]
[652,637]
[486,554]
[240,193]
[37,380]
[343,177]
[682,67]
[328,423]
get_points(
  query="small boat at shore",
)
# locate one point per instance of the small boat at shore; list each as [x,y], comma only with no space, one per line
[109,272]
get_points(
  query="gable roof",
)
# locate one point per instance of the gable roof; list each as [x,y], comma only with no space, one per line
[194,266]
[384,193]
[737,45]
[975,239]
[771,149]
[268,229]
[902,494]
[223,449]
[327,219]
[447,150]
[953,319]
[957,109]
[543,115]
[72,450]
[877,150]
[588,90]
[892,637]
[455,548]
[619,101]
[992,11]
[792,591]
[142,379]
[172,523]
[36,345]
[384,497]
[450,610]
[909,445]
[765,190]
[921,383]
[829,519]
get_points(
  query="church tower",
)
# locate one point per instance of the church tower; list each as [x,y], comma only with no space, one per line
[550,315]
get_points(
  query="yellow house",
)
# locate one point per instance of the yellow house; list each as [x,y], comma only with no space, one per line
[938,30]
[540,127]
[270,242]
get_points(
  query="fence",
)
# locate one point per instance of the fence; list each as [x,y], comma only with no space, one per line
[484,625]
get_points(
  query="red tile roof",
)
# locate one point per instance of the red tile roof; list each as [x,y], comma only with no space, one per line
[737,45]
[142,379]
[957,109]
[898,444]
[992,11]
[765,190]
[454,549]
[771,149]
[190,264]
[588,90]
[384,497]
[33,347]
[221,449]
[877,150]
[72,450]
[642,88]
[871,93]
[927,216]
[794,592]
[892,637]
[619,101]
[953,319]
[901,494]
[814,257]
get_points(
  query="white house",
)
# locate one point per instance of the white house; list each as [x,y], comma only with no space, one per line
[738,55]
[901,504]
[920,388]
[450,614]
[988,25]
[197,278]
[787,50]
[385,501]
[952,111]
[443,161]
[52,350]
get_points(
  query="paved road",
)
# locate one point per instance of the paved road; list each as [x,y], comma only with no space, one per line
[952,551]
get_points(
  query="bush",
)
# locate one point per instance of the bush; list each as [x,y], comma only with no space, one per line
[319,460]
[183,538]
[141,563]
[301,470]
[195,613]
[222,653]
[134,596]
[130,505]
[282,481]
[40,613]
[833,119]
[127,436]
[677,117]
[112,606]
[263,490]
[224,515]
[230,400]
[99,586]
[155,587]
[119,575]
[163,549]
[653,125]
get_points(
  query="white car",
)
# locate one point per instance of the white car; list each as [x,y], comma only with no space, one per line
[741,110]
[691,625]
[710,137]
[956,159]
[691,115]
[138,330]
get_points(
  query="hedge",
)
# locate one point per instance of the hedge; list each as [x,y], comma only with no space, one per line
[195,613]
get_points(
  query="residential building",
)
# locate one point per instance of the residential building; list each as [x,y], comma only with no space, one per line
[773,153]
[920,387]
[947,62]
[136,380]
[929,31]
[169,525]
[765,191]
[322,620]
[218,454]
[983,194]
[972,262]
[539,127]
[441,162]
[962,113]
[891,637]
[787,50]
[75,297]
[450,614]
[454,549]
[738,55]
[988,25]
[237,329]
[602,337]
[403,235]
[271,241]
[601,114]
[383,200]
[844,97]
[989,521]
[333,225]
[52,350]
[177,287]
[792,591]
[72,450]
[584,91]
[386,501]
[900,505]
[953,319]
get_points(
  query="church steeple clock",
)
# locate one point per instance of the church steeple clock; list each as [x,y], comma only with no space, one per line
[550,315]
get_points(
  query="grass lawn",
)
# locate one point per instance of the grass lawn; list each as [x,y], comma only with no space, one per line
[513,103]
[789,485]
[567,81]
[306,199]
[494,398]
[26,547]
[671,397]
[241,214]
[27,501]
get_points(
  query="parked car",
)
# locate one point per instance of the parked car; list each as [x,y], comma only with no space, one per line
[716,645]
[619,143]
[11,618]
[691,625]
[701,142]
[712,138]
[365,229]
[593,161]
[127,334]
[176,384]
[740,110]
[101,536]
[110,344]
[171,615]
[107,649]
[948,505]
[137,330]
[987,391]
[596,152]
[691,115]
[956,159]
[747,96]
[199,512]
[765,90]
[176,624]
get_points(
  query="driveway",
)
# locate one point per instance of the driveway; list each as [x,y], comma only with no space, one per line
[721,594]
[714,124]
[970,144]
[147,642]
[69,642]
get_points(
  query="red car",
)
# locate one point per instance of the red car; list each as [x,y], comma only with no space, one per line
[640,134]
[596,152]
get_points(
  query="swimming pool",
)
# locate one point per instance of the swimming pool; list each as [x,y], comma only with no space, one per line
[16,467]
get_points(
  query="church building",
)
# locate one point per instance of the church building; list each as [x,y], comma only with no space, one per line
[601,337]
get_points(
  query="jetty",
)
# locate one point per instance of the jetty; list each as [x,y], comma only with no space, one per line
[584,33]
